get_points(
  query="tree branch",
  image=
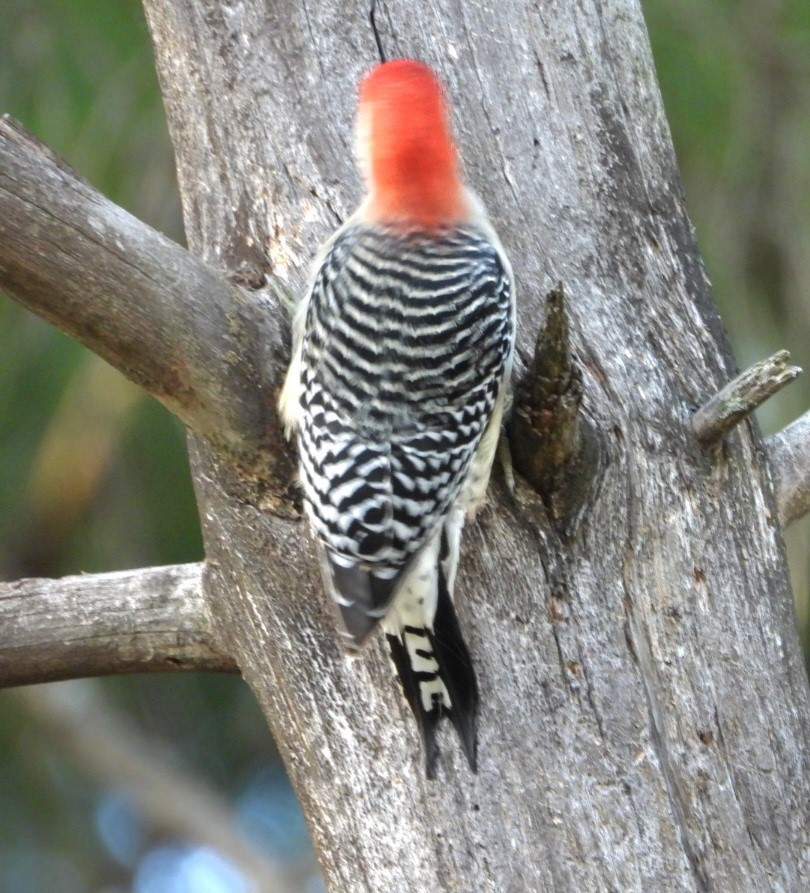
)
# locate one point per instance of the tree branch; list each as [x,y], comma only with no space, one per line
[202,346]
[101,624]
[741,396]
[789,450]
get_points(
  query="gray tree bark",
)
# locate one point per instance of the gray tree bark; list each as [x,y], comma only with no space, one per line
[645,713]
[101,624]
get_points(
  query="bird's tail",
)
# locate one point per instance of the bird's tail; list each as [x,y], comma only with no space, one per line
[437,675]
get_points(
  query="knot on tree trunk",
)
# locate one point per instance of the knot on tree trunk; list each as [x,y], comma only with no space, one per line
[554,445]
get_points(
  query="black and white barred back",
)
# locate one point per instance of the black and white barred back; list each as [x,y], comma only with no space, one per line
[406,344]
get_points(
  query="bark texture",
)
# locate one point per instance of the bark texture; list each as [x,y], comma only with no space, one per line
[102,624]
[645,716]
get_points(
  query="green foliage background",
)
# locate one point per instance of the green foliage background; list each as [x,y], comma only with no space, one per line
[93,475]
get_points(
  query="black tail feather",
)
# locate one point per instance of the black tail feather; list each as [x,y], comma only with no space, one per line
[456,669]
[457,673]
[427,721]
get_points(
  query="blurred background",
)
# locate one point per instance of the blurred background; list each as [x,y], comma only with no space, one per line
[93,475]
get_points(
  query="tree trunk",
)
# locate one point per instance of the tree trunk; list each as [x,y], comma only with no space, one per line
[645,719]
[645,716]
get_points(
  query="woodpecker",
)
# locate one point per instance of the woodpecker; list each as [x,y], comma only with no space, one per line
[402,355]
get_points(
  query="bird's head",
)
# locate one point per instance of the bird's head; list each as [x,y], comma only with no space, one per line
[406,151]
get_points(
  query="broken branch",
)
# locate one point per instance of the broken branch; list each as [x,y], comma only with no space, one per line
[740,397]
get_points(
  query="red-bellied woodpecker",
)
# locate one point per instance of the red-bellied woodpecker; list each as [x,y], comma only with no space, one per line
[401,365]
